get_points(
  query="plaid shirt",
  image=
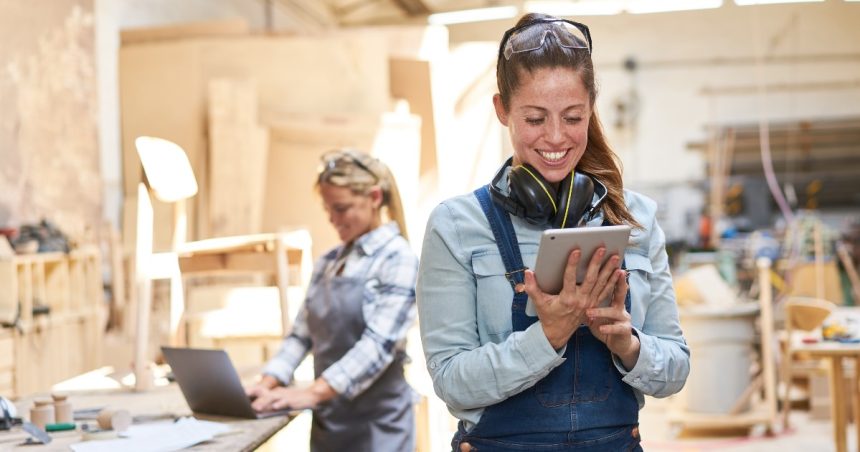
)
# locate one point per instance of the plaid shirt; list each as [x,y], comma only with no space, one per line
[390,267]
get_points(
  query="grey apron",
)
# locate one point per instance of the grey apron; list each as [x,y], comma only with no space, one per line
[379,419]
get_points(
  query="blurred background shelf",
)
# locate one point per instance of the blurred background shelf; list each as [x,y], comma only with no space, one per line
[54,315]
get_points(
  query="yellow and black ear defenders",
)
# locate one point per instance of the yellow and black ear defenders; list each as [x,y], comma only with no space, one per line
[537,201]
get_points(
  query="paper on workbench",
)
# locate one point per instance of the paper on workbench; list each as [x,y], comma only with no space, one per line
[161,436]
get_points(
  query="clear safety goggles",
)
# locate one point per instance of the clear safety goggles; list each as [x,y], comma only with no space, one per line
[337,162]
[532,36]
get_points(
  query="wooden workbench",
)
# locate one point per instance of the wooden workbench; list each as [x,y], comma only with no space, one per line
[157,404]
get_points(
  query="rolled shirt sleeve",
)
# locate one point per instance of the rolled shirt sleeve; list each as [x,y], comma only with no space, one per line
[664,357]
[294,348]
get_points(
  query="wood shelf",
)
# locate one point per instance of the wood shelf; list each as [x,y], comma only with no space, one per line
[43,348]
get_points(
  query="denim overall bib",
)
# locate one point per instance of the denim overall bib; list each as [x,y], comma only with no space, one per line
[381,418]
[581,405]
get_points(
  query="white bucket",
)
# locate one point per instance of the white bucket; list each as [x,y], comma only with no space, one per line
[721,352]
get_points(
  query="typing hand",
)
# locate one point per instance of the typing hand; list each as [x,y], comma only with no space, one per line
[284,397]
[255,391]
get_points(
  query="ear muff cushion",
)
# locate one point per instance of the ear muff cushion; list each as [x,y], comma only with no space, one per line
[529,190]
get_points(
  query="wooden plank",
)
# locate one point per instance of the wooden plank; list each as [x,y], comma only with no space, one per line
[7,382]
[118,300]
[228,262]
[412,80]
[247,242]
[143,287]
[7,350]
[222,28]
[701,420]
[327,130]
[55,347]
[282,278]
[163,91]
[238,148]
[8,296]
[803,278]
[57,290]
[161,96]
[766,345]
[25,294]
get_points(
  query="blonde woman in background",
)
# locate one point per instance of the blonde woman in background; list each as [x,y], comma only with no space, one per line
[359,306]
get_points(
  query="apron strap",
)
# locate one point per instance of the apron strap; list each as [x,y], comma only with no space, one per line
[506,238]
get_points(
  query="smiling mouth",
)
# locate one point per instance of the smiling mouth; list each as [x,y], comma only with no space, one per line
[553,156]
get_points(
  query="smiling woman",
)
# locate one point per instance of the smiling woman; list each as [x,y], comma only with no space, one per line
[574,376]
[359,306]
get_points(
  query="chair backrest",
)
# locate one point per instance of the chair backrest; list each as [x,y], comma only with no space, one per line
[167,169]
[806,314]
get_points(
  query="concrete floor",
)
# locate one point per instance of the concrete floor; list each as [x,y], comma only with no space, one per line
[806,435]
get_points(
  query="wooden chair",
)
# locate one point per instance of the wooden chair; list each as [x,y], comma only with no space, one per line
[801,315]
[171,180]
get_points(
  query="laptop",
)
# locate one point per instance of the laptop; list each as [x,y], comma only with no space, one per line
[210,383]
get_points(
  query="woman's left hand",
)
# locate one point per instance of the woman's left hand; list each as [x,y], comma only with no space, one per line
[611,325]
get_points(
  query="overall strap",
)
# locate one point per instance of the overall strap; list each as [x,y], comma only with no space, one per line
[506,238]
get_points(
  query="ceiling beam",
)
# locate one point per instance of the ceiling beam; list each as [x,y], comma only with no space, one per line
[349,8]
[413,7]
[311,13]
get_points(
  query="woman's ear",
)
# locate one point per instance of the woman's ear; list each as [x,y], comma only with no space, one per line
[500,109]
[376,196]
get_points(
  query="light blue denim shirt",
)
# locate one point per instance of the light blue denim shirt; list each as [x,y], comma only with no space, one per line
[464,310]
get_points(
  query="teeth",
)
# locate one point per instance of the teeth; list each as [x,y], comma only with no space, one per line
[553,156]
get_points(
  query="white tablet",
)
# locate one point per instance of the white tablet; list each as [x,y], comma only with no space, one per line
[556,245]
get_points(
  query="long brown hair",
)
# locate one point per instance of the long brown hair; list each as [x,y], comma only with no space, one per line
[599,159]
[360,173]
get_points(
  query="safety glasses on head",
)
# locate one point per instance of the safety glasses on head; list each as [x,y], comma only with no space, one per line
[532,36]
[336,162]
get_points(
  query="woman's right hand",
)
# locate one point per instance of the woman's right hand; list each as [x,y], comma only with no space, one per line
[266,383]
[560,315]
[254,391]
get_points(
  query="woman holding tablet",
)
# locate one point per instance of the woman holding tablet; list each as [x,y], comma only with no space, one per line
[573,376]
